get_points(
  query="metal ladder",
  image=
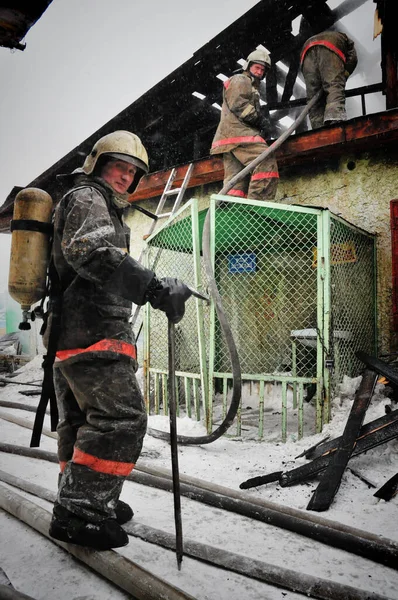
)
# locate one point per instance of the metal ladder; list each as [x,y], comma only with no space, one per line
[168,191]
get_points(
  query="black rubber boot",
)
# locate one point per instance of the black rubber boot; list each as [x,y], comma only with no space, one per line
[123,512]
[68,527]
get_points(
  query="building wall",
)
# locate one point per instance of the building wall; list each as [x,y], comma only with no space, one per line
[357,187]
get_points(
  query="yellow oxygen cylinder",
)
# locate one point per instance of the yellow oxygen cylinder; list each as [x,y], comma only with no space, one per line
[31,229]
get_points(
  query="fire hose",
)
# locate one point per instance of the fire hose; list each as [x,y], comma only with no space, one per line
[216,297]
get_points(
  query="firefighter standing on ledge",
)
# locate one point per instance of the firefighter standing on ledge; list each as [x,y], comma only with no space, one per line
[327,60]
[242,129]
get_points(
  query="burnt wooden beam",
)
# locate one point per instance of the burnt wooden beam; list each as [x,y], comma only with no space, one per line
[271,81]
[291,77]
[389,53]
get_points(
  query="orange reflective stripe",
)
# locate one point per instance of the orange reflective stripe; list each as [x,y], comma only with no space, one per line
[117,346]
[329,45]
[227,83]
[245,139]
[238,193]
[112,467]
[265,175]
[62,465]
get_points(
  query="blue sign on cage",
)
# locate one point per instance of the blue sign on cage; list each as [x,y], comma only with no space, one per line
[242,263]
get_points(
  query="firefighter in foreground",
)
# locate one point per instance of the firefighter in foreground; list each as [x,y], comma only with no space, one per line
[327,60]
[102,414]
[241,133]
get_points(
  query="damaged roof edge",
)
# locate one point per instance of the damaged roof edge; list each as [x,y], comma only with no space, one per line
[16,18]
[355,135]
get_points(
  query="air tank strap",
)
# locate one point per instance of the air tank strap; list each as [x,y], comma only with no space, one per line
[31,225]
[48,391]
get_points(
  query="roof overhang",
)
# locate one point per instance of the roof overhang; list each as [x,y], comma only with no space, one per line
[367,133]
[16,18]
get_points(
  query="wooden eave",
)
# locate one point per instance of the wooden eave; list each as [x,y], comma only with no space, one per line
[16,18]
[361,134]
[365,133]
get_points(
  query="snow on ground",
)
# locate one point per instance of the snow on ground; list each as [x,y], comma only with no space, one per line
[37,567]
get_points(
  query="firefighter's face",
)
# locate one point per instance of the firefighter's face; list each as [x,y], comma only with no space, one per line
[119,174]
[257,70]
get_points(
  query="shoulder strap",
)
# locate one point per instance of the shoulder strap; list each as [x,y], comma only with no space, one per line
[47,390]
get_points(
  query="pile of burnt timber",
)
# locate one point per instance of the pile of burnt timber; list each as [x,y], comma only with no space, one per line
[331,457]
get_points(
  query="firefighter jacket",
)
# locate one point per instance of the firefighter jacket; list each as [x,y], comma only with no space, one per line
[98,279]
[336,42]
[241,116]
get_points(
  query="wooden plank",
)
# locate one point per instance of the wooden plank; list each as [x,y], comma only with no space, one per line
[204,171]
[323,496]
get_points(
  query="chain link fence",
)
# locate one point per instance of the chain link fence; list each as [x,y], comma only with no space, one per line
[353,298]
[289,277]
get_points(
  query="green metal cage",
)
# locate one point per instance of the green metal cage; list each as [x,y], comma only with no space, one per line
[298,288]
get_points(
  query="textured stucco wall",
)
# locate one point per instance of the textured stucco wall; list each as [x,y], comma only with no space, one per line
[357,187]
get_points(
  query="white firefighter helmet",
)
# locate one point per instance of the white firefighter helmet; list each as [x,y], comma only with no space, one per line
[260,57]
[120,145]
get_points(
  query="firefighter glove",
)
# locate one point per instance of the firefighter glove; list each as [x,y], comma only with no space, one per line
[264,126]
[169,295]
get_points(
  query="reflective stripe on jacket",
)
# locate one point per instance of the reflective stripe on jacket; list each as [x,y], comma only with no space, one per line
[336,42]
[240,114]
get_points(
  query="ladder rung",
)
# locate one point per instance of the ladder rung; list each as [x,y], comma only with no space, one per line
[164,215]
[172,192]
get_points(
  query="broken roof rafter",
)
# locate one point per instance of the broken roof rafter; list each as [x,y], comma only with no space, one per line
[166,110]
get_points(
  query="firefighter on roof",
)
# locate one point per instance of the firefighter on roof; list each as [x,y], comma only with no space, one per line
[102,414]
[327,60]
[240,136]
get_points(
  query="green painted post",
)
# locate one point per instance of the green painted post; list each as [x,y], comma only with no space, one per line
[207,410]
[327,373]
[187,390]
[300,411]
[284,411]
[261,410]
[320,356]
[212,333]
[157,394]
[196,403]
[294,371]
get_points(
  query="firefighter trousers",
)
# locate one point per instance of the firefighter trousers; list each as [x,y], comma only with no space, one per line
[324,70]
[262,183]
[100,433]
